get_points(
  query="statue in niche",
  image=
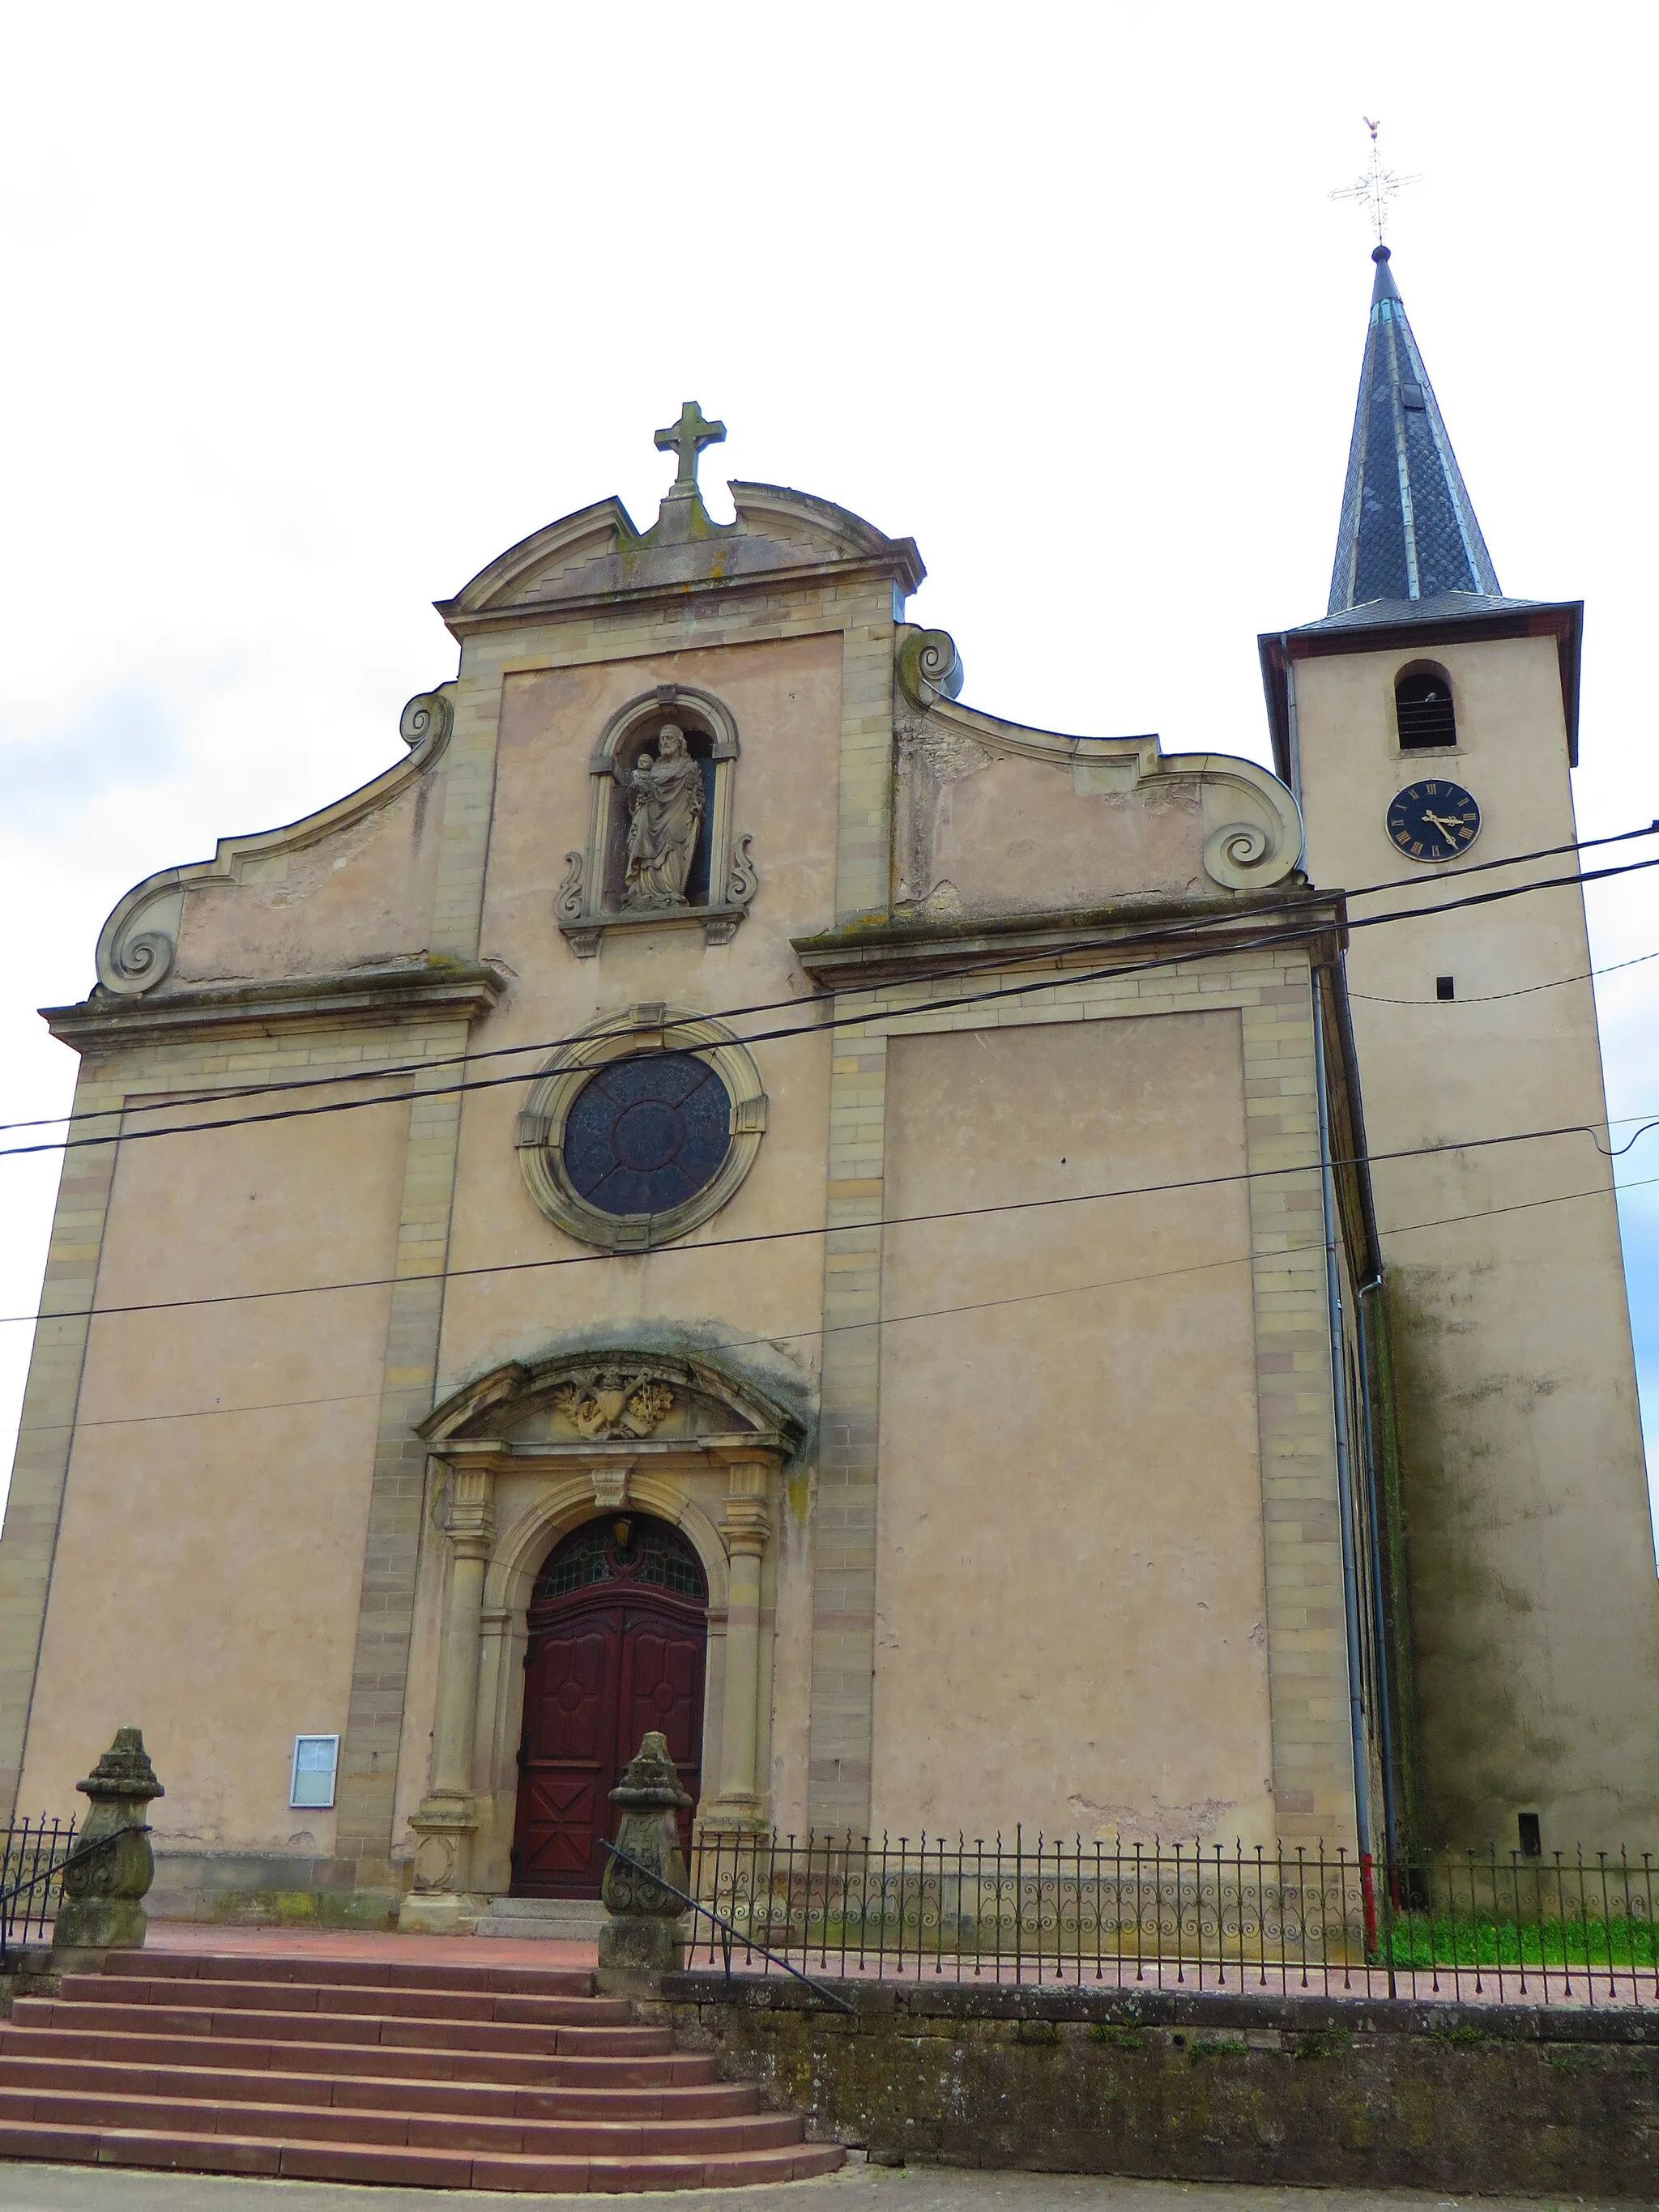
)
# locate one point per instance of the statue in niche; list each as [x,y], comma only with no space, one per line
[665,805]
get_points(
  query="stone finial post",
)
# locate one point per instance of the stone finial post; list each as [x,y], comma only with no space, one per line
[641,1938]
[101,1908]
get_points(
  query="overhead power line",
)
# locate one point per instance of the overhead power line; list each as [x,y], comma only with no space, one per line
[1051,979]
[883,1320]
[830,1229]
[1521,991]
[977,965]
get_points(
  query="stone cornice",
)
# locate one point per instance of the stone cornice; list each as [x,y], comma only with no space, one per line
[887,948]
[534,614]
[435,990]
[499,1453]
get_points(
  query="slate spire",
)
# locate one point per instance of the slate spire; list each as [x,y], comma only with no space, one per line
[1408,531]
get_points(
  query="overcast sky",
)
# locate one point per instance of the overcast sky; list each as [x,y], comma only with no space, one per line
[311,310]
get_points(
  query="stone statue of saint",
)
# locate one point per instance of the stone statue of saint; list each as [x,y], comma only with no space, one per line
[665,804]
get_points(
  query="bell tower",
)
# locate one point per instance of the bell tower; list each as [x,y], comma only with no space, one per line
[1428,725]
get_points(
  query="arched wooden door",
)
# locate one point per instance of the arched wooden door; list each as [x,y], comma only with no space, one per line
[618,1636]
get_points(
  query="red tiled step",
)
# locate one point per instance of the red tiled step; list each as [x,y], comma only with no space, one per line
[439,2131]
[413,2167]
[428,2003]
[347,1973]
[683,2100]
[410,2061]
[423,2030]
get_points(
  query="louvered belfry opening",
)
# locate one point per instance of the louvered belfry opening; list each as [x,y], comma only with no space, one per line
[1424,711]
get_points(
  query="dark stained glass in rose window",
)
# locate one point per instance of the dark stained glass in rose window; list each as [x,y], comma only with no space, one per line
[648,1134]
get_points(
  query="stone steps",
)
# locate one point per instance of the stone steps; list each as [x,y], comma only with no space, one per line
[85,2018]
[682,2100]
[548,1919]
[397,2071]
[408,2061]
[390,1973]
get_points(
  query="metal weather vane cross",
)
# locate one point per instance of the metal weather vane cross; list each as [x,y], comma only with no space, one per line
[1377,185]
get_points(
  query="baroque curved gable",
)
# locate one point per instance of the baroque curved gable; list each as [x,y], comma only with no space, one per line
[598,553]
[996,818]
[138,947]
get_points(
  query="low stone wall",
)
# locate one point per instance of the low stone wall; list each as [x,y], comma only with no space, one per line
[1474,2097]
[266,1889]
[28,1973]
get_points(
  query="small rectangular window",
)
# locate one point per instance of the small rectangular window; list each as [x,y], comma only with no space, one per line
[1446,987]
[315,1759]
[1532,1841]
[1410,395]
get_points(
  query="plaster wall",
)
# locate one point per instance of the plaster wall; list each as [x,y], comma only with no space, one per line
[1070,1610]
[360,895]
[1536,1610]
[1012,835]
[212,1540]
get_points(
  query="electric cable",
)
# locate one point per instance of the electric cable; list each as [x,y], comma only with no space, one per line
[976,965]
[1050,979]
[1483,998]
[823,1229]
[883,1320]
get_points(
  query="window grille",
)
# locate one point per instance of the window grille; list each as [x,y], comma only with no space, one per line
[634,1549]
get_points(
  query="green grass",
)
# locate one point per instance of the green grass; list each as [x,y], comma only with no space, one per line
[1421,1939]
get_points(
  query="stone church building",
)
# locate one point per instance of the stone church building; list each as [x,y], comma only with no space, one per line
[935,1261]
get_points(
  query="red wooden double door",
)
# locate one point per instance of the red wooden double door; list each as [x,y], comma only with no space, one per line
[618,1637]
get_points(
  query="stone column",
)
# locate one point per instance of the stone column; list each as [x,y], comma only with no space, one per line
[745,1524]
[442,1900]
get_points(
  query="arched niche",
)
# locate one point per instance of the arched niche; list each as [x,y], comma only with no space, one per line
[722,881]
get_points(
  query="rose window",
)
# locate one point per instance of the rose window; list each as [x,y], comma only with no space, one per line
[648,1134]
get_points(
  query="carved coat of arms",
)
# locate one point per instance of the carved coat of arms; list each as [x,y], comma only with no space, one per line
[614,1402]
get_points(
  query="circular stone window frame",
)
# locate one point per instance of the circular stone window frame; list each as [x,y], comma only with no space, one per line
[641,1030]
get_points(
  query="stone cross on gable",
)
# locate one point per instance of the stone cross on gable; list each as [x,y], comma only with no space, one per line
[688,437]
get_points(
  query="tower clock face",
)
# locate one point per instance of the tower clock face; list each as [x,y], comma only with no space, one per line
[1433,821]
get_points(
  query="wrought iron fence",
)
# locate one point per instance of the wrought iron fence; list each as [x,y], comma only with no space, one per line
[32,1877]
[1576,1930]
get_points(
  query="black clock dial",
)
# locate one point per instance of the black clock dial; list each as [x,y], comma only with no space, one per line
[1433,820]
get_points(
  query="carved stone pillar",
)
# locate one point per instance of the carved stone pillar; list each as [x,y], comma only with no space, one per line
[102,1909]
[745,1524]
[442,1900]
[642,1940]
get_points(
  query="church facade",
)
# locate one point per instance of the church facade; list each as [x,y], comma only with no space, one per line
[731,1191]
